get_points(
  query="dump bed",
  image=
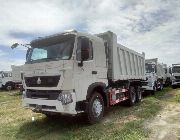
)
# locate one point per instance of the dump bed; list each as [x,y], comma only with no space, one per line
[16,73]
[123,63]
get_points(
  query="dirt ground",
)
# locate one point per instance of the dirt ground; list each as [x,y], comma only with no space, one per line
[166,125]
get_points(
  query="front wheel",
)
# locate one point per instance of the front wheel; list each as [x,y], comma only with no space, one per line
[95,108]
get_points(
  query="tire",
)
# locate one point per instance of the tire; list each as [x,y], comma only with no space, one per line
[138,94]
[154,89]
[95,108]
[132,96]
[162,86]
[9,86]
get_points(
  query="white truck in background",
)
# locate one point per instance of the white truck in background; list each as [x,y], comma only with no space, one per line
[175,75]
[155,75]
[168,72]
[11,79]
[75,72]
[6,80]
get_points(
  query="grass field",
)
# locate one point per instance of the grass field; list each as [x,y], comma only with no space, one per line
[120,122]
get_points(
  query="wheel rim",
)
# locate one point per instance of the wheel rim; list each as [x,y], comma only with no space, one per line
[97,107]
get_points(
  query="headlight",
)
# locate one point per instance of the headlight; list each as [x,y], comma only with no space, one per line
[65,97]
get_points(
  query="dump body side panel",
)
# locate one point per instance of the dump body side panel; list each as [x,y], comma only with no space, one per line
[123,63]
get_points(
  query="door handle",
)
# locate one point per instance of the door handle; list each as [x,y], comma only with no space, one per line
[94,72]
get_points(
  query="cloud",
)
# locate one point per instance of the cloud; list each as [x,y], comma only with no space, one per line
[149,26]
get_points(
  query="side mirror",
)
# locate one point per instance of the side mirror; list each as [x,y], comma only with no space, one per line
[14,45]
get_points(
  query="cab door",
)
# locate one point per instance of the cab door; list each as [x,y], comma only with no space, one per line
[84,66]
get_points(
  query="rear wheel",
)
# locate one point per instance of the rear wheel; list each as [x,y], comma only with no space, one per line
[138,94]
[132,96]
[9,86]
[154,89]
[95,108]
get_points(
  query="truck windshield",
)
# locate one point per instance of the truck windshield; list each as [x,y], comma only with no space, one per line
[61,50]
[150,68]
[176,69]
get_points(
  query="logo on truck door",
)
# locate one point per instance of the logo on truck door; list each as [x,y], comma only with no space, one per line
[39,81]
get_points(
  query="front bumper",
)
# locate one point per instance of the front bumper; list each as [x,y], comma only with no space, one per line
[43,105]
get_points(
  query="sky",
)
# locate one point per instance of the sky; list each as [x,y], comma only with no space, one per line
[150,26]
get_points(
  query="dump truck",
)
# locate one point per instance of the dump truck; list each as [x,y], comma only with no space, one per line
[175,75]
[74,72]
[155,76]
[11,79]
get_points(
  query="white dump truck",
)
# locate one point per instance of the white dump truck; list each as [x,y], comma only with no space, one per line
[175,75]
[75,72]
[155,75]
[6,80]
[11,79]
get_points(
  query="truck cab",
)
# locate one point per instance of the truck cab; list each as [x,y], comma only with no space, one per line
[155,75]
[175,75]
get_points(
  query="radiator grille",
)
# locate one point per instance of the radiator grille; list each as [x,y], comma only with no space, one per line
[42,81]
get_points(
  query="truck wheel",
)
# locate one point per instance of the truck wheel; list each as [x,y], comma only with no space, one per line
[154,89]
[138,94]
[8,86]
[95,108]
[132,96]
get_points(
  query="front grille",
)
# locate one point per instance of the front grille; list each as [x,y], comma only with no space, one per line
[40,94]
[42,81]
[177,77]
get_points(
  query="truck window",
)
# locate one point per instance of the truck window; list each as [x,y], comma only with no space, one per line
[84,49]
[39,53]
